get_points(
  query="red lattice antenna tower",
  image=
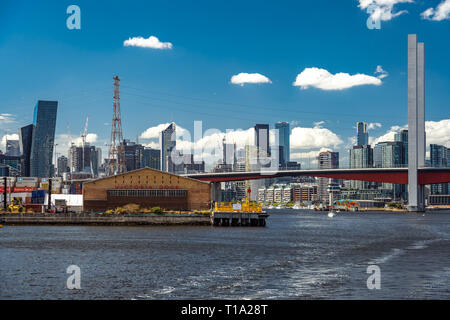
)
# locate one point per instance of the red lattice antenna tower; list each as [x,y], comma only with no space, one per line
[116,154]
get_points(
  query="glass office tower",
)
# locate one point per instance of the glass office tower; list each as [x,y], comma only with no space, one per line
[44,121]
[25,140]
[284,140]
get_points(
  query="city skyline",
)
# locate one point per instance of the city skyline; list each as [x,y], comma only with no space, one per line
[319,117]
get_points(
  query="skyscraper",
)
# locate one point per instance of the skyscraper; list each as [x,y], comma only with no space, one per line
[362,138]
[167,143]
[25,142]
[44,121]
[361,157]
[402,137]
[284,139]
[133,155]
[62,165]
[262,144]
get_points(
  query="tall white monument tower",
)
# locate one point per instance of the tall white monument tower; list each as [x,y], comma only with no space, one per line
[416,122]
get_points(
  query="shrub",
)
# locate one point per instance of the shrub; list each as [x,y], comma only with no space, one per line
[157,210]
[131,208]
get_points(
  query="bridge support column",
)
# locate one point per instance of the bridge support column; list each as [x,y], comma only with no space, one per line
[416,122]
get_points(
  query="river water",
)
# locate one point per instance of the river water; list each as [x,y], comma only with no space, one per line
[299,255]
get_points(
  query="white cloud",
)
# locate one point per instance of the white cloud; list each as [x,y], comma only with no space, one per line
[209,145]
[313,138]
[296,156]
[6,118]
[388,136]
[382,10]
[381,73]
[151,42]
[243,78]
[90,138]
[438,132]
[322,79]
[64,141]
[374,125]
[153,132]
[442,12]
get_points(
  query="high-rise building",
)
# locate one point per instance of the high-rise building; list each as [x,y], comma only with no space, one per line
[151,158]
[25,141]
[167,143]
[262,144]
[134,153]
[10,165]
[438,158]
[361,157]
[390,155]
[402,137]
[44,121]
[62,165]
[229,153]
[284,140]
[12,148]
[326,160]
[362,133]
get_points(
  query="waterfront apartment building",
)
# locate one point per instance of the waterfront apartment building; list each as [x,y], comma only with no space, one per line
[293,192]
[44,121]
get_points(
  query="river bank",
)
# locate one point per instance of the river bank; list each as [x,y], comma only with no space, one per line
[106,219]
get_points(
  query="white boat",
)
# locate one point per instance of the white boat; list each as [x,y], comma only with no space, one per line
[270,207]
[279,207]
[331,214]
[296,207]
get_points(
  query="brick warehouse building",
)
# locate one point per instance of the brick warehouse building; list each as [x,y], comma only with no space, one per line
[148,188]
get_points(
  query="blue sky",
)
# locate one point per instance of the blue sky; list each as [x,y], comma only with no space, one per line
[40,58]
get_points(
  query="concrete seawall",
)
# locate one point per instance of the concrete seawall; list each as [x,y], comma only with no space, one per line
[104,220]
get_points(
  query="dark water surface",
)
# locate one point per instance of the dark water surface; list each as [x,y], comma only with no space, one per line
[299,255]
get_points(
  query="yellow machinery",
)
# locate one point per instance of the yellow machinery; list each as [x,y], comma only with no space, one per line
[16,206]
[244,206]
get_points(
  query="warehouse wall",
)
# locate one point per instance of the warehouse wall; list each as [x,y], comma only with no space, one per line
[198,192]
